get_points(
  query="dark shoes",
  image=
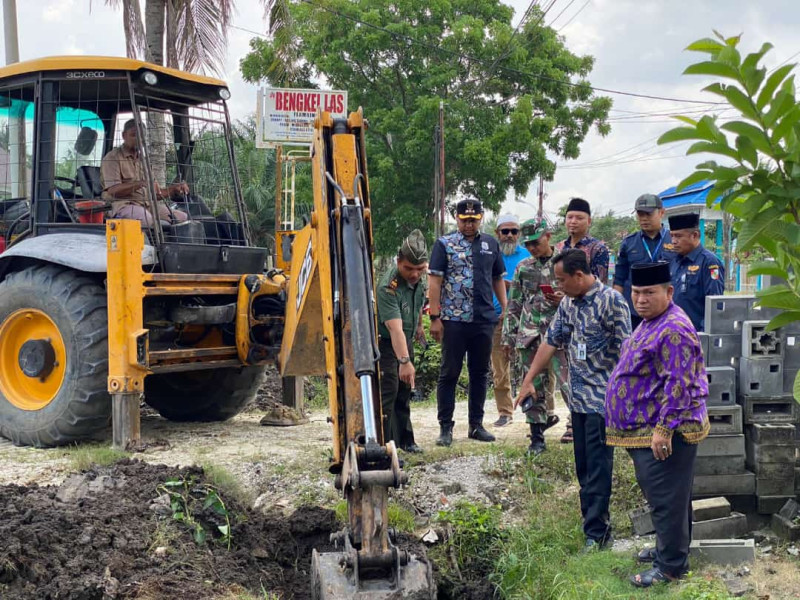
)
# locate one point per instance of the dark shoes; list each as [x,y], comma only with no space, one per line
[445,434]
[412,449]
[567,437]
[595,545]
[648,578]
[478,432]
[503,421]
[537,439]
[647,555]
[551,420]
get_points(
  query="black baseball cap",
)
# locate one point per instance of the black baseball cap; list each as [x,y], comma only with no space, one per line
[648,203]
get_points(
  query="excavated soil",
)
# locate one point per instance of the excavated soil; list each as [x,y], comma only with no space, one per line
[110,533]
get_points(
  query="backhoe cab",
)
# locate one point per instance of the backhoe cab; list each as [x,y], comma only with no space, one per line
[93,307]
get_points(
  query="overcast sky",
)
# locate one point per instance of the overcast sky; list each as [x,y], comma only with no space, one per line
[638,46]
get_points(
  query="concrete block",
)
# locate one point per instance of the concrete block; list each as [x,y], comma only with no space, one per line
[642,520]
[719,465]
[757,312]
[762,454]
[791,351]
[780,434]
[790,510]
[761,376]
[768,505]
[721,386]
[724,485]
[793,327]
[780,408]
[789,375]
[725,314]
[757,342]
[725,419]
[710,508]
[734,525]
[723,349]
[797,481]
[724,552]
[722,445]
[775,487]
[785,528]
[784,471]
[704,340]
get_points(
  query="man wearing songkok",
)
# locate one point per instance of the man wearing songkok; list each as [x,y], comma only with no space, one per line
[695,272]
[591,323]
[656,409]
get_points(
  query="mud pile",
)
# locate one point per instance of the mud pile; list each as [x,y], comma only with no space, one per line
[111,533]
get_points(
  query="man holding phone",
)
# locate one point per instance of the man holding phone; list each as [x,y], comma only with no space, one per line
[532,302]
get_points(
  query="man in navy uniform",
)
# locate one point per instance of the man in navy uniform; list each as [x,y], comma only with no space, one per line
[696,272]
[649,245]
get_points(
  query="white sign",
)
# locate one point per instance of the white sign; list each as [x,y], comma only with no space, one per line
[286,116]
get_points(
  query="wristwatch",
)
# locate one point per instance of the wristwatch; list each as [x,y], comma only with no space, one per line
[434,317]
[404,360]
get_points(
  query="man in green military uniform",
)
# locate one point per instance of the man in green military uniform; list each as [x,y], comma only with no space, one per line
[401,294]
[530,310]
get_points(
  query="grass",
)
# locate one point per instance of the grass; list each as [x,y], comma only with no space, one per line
[227,484]
[84,456]
[401,518]
[316,393]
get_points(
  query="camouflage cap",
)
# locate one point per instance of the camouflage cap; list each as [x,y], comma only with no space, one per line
[413,248]
[532,230]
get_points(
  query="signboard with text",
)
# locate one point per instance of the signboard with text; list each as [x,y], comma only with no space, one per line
[286,116]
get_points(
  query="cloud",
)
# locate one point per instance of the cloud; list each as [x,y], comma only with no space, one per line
[57,11]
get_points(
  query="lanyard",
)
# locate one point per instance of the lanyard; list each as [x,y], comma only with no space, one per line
[647,248]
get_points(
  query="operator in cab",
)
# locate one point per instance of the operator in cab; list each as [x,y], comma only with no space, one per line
[695,271]
[124,183]
[652,243]
[401,295]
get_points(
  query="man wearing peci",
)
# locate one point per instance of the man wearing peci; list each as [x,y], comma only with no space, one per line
[656,409]
[696,272]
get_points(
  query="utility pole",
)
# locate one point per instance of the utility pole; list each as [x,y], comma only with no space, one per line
[438,173]
[441,166]
[10,31]
[541,198]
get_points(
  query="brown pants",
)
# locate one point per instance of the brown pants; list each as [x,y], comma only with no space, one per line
[501,373]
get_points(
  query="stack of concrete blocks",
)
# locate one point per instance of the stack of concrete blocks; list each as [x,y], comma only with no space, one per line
[751,373]
[713,519]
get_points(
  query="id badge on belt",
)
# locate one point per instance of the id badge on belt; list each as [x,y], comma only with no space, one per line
[581,351]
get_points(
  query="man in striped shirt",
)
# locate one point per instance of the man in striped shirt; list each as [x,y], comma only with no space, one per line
[592,322]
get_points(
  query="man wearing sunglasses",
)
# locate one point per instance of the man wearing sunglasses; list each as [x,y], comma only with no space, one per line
[507,233]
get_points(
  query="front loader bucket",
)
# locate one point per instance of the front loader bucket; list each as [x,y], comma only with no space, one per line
[332,579]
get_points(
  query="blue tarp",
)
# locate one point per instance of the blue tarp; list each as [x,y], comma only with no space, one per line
[694,194]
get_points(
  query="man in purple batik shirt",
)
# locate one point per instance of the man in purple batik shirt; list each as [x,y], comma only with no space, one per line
[656,409]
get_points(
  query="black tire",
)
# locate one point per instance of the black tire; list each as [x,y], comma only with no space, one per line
[208,395]
[77,306]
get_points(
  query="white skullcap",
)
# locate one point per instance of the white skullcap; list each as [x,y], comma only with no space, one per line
[508,218]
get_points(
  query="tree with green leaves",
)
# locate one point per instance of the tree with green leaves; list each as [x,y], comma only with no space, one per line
[514,100]
[759,181]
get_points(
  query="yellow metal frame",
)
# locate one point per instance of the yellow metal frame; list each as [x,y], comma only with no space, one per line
[130,359]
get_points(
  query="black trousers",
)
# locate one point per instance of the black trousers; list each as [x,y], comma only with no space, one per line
[667,485]
[594,464]
[475,341]
[395,398]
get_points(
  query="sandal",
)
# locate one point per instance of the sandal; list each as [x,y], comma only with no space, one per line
[647,555]
[551,420]
[567,437]
[650,577]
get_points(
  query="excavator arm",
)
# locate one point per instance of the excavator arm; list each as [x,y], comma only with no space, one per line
[331,330]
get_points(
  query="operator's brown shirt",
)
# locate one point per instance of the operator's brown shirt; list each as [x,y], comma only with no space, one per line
[122,166]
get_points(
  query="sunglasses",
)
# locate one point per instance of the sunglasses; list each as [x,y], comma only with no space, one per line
[509,231]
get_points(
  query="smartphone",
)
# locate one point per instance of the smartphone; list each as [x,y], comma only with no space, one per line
[547,288]
[526,404]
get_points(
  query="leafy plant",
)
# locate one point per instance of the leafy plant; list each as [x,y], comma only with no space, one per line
[476,536]
[759,182]
[189,499]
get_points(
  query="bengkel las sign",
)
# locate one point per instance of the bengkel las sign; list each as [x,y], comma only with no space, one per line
[286,116]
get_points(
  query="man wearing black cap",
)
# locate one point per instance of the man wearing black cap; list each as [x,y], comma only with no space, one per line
[656,408]
[401,294]
[651,244]
[465,268]
[578,220]
[696,272]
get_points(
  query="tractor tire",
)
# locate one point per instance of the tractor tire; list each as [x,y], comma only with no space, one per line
[208,395]
[53,357]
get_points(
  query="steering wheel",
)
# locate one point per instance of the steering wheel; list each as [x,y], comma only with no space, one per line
[66,192]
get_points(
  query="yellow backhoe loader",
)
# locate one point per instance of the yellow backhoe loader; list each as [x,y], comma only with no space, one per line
[180,307]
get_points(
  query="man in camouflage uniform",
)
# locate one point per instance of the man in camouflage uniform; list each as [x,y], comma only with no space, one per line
[528,315]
